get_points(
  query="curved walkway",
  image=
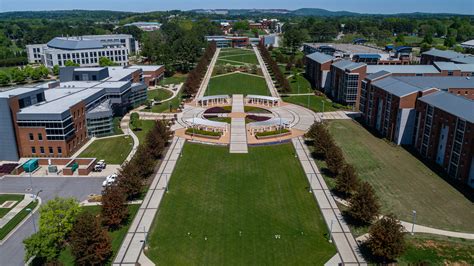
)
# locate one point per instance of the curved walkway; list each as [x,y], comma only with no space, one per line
[125,126]
[416,228]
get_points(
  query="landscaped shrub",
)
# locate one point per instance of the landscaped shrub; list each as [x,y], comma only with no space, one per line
[202,132]
[217,110]
[281,80]
[364,206]
[346,181]
[271,133]
[257,118]
[386,239]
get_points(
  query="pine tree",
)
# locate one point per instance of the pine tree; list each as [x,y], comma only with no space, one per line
[386,239]
[364,206]
[90,242]
[346,181]
[114,206]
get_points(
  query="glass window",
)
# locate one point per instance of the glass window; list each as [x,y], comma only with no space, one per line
[51,151]
[31,136]
[33,150]
[42,150]
[60,150]
[40,136]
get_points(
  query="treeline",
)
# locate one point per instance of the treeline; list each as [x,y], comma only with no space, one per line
[386,241]
[19,75]
[178,44]
[63,223]
[195,76]
[282,82]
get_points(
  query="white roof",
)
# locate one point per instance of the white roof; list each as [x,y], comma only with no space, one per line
[146,67]
[270,122]
[212,97]
[205,122]
[268,98]
[468,43]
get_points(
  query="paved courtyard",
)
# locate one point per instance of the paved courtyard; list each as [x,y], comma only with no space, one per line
[12,251]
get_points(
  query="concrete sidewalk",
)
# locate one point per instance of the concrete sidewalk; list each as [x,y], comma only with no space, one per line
[205,81]
[266,74]
[346,245]
[130,251]
[238,131]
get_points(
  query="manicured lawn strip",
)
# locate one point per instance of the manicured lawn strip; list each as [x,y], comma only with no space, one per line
[220,119]
[254,109]
[239,202]
[402,182]
[436,250]
[159,94]
[147,125]
[315,102]
[66,257]
[112,150]
[6,197]
[225,62]
[175,79]
[234,51]
[300,84]
[17,219]
[237,83]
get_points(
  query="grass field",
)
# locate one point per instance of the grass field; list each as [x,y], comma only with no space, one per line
[175,79]
[239,203]
[237,83]
[236,57]
[234,51]
[16,220]
[300,84]
[165,106]
[6,197]
[159,94]
[315,102]
[401,181]
[112,150]
[66,257]
[436,250]
[147,125]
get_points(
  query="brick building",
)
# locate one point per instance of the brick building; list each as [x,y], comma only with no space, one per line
[346,77]
[318,66]
[444,134]
[435,55]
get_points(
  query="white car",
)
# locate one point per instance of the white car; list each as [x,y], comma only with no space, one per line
[99,166]
[109,180]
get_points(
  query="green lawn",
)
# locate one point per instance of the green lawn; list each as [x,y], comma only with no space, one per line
[299,84]
[237,83]
[175,79]
[221,119]
[159,94]
[165,106]
[112,150]
[239,202]
[315,102]
[243,58]
[66,257]
[436,250]
[6,197]
[147,125]
[401,181]
[234,51]
[16,220]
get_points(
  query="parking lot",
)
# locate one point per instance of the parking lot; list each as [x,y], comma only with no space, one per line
[12,251]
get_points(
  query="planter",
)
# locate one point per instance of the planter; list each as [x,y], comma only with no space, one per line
[202,135]
[273,135]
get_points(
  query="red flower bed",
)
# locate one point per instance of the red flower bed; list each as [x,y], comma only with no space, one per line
[216,110]
[258,118]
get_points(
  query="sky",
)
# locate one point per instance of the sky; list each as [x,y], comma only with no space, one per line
[362,6]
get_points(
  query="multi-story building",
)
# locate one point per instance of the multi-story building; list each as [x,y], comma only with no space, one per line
[145,26]
[83,50]
[435,55]
[444,134]
[388,102]
[318,66]
[55,119]
[346,77]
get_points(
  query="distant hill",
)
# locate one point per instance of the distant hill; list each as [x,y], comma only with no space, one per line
[321,12]
[65,14]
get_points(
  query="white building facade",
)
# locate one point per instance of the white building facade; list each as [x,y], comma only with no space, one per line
[83,50]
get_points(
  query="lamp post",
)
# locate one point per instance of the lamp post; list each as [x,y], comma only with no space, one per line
[31,211]
[166,179]
[308,100]
[413,225]
[310,182]
[330,232]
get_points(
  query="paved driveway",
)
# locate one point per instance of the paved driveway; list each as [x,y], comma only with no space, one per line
[12,251]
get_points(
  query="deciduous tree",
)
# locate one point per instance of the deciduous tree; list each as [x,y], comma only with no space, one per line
[346,181]
[334,159]
[90,242]
[386,239]
[364,206]
[114,206]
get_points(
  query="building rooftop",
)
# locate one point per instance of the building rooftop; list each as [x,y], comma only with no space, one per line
[377,75]
[396,87]
[347,65]
[408,69]
[74,43]
[368,56]
[320,57]
[17,91]
[451,55]
[450,103]
[146,67]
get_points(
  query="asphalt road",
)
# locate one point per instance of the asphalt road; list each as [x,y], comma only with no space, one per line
[12,252]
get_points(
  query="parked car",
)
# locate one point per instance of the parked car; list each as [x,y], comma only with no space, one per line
[99,166]
[109,180]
